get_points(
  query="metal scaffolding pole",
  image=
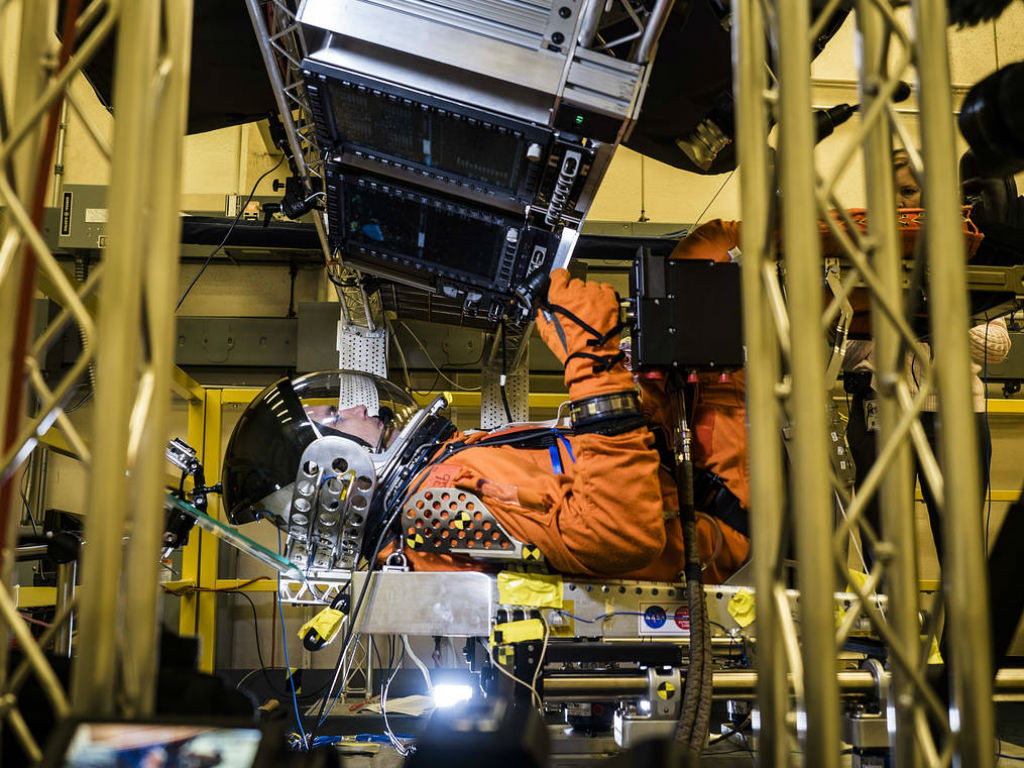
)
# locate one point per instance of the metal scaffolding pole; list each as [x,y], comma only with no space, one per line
[871,253]
[897,492]
[117,363]
[810,487]
[29,82]
[140,618]
[971,715]
[766,478]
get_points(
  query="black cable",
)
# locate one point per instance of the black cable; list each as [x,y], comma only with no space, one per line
[259,652]
[504,373]
[293,272]
[81,401]
[238,216]
[733,730]
[24,500]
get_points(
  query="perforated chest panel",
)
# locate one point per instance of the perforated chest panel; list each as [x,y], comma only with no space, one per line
[453,521]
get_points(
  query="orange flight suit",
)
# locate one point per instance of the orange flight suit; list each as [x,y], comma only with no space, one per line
[604,514]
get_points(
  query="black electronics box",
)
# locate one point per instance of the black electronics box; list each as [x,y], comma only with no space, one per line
[496,733]
[687,314]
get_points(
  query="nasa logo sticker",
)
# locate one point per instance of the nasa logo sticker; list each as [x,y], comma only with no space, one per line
[669,619]
[654,617]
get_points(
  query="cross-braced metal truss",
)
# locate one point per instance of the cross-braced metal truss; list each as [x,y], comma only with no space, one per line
[123,314]
[277,31]
[787,384]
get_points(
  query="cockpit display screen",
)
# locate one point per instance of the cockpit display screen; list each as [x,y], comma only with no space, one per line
[409,226]
[427,137]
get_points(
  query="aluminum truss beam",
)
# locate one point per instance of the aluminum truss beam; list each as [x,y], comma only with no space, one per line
[127,332]
[787,336]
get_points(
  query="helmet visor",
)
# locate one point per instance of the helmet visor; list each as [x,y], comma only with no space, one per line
[266,445]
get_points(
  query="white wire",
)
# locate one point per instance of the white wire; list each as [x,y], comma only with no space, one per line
[853,538]
[416,660]
[435,366]
[400,748]
[247,676]
[713,198]
[506,673]
[345,662]
[540,662]
[401,352]
[531,686]
[860,552]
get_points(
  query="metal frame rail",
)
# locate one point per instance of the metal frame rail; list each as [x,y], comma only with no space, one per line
[277,32]
[124,314]
[786,350]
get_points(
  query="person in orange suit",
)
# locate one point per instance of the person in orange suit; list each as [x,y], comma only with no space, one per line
[600,510]
[611,508]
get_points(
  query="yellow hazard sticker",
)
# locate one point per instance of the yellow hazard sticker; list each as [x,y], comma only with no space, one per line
[413,541]
[462,520]
[666,691]
[536,590]
[531,552]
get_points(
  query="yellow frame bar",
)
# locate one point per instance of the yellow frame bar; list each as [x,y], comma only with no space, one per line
[36,597]
[1005,407]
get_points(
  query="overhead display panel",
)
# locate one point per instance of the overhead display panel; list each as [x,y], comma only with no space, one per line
[464,142]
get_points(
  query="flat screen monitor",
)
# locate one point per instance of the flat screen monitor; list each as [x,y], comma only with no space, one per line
[425,231]
[86,743]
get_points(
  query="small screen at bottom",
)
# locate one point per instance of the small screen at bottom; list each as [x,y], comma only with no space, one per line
[150,745]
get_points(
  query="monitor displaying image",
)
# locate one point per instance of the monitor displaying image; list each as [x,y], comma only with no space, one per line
[151,745]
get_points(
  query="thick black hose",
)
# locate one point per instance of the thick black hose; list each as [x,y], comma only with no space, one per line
[694,720]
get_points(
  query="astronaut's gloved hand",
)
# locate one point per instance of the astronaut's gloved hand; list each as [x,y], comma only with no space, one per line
[581,326]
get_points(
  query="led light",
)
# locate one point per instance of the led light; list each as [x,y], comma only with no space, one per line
[450,694]
[643,707]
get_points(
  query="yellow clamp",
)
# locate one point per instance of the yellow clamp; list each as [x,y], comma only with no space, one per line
[741,608]
[517,632]
[325,624]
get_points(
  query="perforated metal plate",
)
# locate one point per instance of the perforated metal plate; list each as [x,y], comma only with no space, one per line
[453,521]
[325,534]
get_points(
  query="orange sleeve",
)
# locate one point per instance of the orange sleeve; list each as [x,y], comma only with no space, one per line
[711,240]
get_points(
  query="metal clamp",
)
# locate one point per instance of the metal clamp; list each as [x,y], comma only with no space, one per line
[601,407]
